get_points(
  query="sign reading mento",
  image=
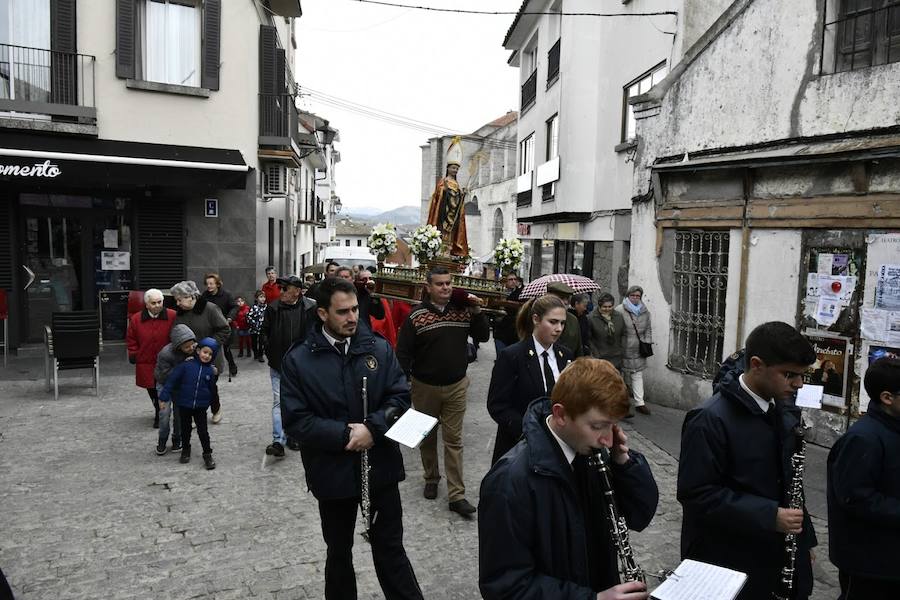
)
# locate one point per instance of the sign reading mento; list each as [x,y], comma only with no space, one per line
[44,169]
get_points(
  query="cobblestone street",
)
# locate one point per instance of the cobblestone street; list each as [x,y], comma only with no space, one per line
[89,510]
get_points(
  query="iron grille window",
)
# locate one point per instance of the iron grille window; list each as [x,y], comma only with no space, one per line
[697,324]
[865,33]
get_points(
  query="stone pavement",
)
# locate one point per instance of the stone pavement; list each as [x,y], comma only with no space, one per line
[89,510]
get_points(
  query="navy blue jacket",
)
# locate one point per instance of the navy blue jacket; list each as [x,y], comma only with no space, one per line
[321,395]
[864,497]
[192,384]
[516,380]
[730,486]
[532,536]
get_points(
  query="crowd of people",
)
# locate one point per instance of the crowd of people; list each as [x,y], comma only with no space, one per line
[565,374]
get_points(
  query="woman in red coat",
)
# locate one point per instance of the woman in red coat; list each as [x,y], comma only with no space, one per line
[148,332]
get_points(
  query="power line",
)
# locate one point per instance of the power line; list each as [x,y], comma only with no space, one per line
[513,13]
[401,120]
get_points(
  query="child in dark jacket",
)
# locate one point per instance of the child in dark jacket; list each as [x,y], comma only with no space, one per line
[255,320]
[192,385]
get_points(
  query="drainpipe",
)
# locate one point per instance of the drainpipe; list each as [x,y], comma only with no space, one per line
[745,260]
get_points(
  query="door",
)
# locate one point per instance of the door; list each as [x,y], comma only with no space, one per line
[55,257]
[75,251]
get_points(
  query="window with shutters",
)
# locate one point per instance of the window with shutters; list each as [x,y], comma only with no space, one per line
[173,42]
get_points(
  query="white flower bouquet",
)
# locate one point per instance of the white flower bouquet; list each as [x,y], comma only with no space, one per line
[383,240]
[426,243]
[508,254]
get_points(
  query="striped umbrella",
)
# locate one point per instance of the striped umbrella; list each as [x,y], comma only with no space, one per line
[538,287]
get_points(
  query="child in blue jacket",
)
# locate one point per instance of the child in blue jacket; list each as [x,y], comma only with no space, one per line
[192,385]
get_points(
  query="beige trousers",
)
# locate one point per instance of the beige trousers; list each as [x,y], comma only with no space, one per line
[448,404]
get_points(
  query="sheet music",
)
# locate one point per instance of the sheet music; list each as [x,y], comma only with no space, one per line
[411,428]
[694,580]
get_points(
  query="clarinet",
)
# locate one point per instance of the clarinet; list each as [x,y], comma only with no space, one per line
[365,501]
[629,570]
[795,500]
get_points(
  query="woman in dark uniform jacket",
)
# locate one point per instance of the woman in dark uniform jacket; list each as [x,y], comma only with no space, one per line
[520,373]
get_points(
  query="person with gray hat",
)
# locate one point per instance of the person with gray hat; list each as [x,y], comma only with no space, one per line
[571,335]
[638,333]
[286,321]
[181,348]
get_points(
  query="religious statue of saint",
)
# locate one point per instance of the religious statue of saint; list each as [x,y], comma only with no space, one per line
[447,208]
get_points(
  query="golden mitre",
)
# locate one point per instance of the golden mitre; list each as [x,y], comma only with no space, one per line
[454,152]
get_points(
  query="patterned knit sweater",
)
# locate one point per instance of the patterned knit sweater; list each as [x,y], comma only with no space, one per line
[432,342]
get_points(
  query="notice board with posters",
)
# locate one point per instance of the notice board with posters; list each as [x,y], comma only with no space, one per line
[113,314]
[880,311]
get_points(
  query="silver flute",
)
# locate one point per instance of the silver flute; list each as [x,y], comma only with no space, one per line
[629,569]
[795,501]
[365,502]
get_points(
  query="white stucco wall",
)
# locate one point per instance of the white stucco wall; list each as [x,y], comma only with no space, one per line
[757,82]
[227,119]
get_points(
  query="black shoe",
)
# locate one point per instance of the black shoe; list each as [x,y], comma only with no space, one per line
[185,458]
[241,354]
[260,359]
[208,461]
[463,507]
[176,446]
[293,444]
[275,449]
[232,370]
[161,449]
[430,491]
[643,409]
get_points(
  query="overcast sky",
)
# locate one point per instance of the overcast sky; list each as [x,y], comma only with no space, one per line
[445,69]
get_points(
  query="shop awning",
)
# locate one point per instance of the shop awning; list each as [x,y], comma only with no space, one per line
[93,163]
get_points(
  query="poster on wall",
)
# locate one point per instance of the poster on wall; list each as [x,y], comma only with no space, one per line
[872,352]
[833,356]
[887,288]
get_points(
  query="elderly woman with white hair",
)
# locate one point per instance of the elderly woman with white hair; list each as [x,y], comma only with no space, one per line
[148,332]
[205,320]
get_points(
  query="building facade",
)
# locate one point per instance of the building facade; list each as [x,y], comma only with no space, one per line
[489,157]
[767,187]
[157,162]
[576,130]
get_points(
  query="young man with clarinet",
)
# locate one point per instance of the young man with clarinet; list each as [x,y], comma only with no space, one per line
[555,510]
[326,382]
[738,478]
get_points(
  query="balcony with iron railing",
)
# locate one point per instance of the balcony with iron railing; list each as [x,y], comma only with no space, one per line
[278,121]
[47,85]
[553,64]
[529,91]
[861,39]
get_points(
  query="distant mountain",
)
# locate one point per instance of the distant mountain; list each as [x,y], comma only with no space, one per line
[403,215]
[362,211]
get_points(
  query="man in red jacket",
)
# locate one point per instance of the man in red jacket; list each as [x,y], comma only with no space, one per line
[148,332]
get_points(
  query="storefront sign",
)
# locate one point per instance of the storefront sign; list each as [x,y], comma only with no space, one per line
[523,228]
[212,207]
[45,169]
